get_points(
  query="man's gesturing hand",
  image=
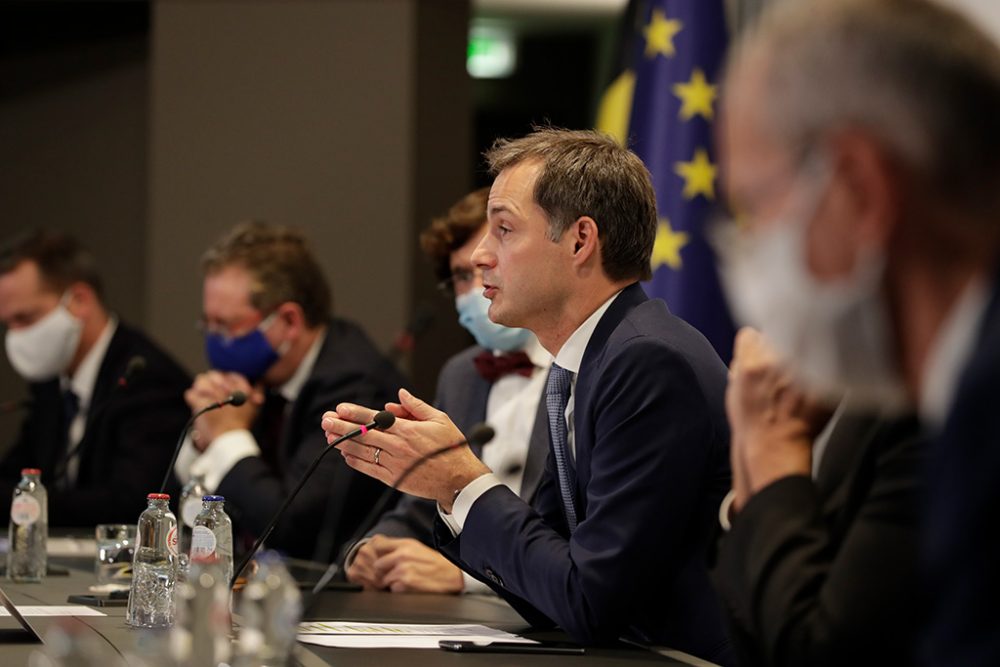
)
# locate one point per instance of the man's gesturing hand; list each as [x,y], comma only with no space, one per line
[419,430]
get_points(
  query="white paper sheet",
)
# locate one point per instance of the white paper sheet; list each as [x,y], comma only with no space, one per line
[347,634]
[54,610]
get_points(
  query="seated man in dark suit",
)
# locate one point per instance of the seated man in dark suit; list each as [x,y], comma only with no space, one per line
[860,142]
[818,563]
[106,403]
[269,333]
[499,381]
[616,540]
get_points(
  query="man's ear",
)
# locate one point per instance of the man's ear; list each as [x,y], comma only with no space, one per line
[584,237]
[871,181]
[860,208]
[81,300]
[292,318]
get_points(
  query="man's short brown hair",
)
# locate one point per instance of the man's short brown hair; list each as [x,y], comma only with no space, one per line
[453,230]
[586,173]
[280,264]
[60,258]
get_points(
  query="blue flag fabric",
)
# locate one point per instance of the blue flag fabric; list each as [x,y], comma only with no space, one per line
[677,49]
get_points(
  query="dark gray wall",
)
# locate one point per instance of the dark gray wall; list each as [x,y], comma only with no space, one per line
[73,137]
[347,118]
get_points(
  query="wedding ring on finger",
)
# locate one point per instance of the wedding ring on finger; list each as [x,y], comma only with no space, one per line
[378,453]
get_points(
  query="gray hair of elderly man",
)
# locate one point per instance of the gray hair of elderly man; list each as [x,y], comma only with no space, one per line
[917,76]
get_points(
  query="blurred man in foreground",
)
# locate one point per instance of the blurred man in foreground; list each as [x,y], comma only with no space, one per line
[860,141]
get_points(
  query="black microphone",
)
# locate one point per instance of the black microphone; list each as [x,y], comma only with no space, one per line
[236,399]
[406,340]
[381,421]
[479,435]
[135,365]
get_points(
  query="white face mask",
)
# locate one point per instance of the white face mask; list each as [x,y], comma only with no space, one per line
[44,350]
[835,335]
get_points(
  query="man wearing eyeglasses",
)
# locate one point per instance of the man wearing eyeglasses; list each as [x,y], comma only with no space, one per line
[499,380]
[269,333]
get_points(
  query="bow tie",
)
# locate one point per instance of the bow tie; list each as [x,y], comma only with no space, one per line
[494,366]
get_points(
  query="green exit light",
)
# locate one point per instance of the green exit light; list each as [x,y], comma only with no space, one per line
[492,52]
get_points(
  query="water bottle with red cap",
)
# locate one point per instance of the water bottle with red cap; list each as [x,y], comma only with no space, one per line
[154,566]
[29,528]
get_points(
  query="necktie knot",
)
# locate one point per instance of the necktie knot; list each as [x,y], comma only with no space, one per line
[492,367]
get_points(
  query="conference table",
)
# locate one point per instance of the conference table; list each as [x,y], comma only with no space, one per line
[144,647]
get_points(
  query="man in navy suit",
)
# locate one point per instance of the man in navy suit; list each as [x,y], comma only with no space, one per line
[860,142]
[499,381]
[615,543]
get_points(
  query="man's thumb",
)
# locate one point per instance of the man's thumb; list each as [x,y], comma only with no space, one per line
[420,410]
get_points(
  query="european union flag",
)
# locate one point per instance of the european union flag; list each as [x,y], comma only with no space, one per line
[674,55]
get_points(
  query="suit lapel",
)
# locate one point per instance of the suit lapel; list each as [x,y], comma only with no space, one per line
[538,452]
[629,298]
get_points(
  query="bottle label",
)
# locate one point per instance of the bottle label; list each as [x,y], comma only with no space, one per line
[191,509]
[172,540]
[25,510]
[202,542]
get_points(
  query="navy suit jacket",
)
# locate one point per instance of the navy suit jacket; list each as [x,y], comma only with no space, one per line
[962,534]
[652,466]
[127,441]
[337,498]
[462,394]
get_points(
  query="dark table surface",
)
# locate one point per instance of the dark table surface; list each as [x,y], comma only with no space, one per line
[134,647]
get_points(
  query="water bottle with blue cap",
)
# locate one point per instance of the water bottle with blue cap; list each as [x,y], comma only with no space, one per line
[212,535]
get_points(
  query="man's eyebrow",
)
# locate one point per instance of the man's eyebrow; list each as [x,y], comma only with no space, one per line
[496,209]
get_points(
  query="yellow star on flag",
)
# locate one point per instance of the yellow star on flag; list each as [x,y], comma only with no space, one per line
[698,175]
[660,33]
[697,96]
[667,247]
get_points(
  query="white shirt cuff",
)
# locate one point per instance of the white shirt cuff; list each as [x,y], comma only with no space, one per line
[474,586]
[222,454]
[185,458]
[464,501]
[724,509]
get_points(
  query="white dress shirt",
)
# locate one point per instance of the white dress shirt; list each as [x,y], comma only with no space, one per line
[82,384]
[231,447]
[570,357]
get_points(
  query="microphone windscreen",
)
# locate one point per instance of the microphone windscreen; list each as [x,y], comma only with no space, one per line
[384,419]
[480,434]
[136,364]
[237,398]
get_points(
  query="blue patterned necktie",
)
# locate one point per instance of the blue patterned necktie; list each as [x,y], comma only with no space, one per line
[556,397]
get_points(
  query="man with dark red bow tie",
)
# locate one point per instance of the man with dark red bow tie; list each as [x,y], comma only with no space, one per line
[499,381]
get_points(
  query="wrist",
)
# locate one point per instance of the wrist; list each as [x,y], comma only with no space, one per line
[457,484]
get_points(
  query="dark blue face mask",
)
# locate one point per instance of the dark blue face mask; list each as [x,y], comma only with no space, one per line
[249,355]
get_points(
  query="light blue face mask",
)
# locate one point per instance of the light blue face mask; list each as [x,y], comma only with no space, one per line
[472,314]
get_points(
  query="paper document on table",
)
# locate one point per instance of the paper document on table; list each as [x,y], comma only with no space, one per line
[345,634]
[54,610]
[72,546]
